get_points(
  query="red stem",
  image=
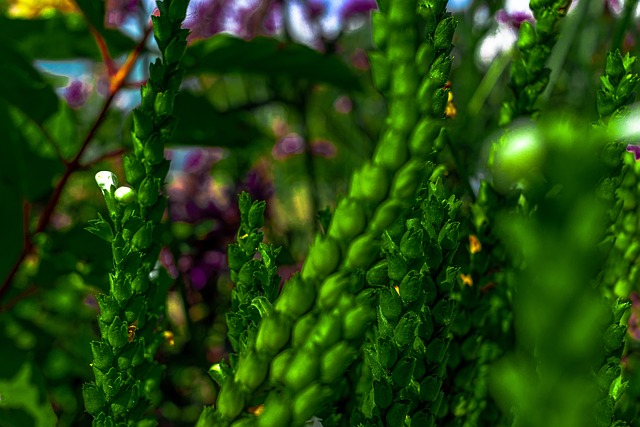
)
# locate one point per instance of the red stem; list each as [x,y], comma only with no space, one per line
[117,82]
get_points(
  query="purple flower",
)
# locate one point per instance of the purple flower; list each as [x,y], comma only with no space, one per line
[117,11]
[356,7]
[205,18]
[200,160]
[515,18]
[635,149]
[343,104]
[323,148]
[76,93]
[288,146]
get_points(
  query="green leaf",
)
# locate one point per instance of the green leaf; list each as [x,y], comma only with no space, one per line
[219,129]
[223,54]
[23,86]
[100,228]
[22,389]
[67,37]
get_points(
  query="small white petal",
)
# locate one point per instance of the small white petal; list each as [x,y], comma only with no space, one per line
[105,179]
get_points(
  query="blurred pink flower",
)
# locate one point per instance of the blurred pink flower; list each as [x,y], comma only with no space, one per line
[360,59]
[323,148]
[117,11]
[635,149]
[77,93]
[288,146]
[515,18]
[205,18]
[356,7]
[343,104]
[634,319]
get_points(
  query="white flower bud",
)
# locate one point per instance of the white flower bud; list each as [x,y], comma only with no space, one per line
[125,195]
[106,179]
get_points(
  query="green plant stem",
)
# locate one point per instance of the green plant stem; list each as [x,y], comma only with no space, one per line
[488,82]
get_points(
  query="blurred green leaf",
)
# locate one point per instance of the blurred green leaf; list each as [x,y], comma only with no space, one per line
[67,37]
[10,218]
[223,54]
[22,389]
[199,123]
[23,86]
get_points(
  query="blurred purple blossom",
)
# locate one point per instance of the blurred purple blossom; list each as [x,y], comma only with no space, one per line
[635,149]
[77,93]
[343,104]
[201,159]
[205,18]
[514,18]
[117,11]
[350,8]
[323,148]
[288,146]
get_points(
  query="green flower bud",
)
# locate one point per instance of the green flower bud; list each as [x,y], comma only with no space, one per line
[362,252]
[220,373]
[608,373]
[143,238]
[396,415]
[304,369]
[280,364]
[397,267]
[323,258]
[356,321]
[256,215]
[403,113]
[94,400]
[348,220]
[391,153]
[386,214]
[613,337]
[429,16]
[404,79]
[439,102]
[401,14]
[412,243]
[156,72]
[436,351]
[390,305]
[303,328]
[133,170]
[308,402]
[161,30]
[297,297]
[230,400]
[154,149]
[380,29]
[411,287]
[377,275]
[112,383]
[175,49]
[335,362]
[443,311]
[102,355]
[425,56]
[380,70]
[107,181]
[331,290]
[149,191]
[163,104]
[405,330]
[117,333]
[251,370]
[109,308]
[425,133]
[382,393]
[387,352]
[444,34]
[148,95]
[369,184]
[327,331]
[142,124]
[276,413]
[273,333]
[125,195]
[403,372]
[407,180]
[527,36]
[627,86]
[440,69]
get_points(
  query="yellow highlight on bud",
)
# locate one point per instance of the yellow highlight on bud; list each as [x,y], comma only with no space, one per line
[466,279]
[474,244]
[397,289]
[257,410]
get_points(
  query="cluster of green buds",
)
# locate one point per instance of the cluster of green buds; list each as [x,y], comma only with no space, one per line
[294,369]
[407,352]
[618,83]
[529,76]
[126,375]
